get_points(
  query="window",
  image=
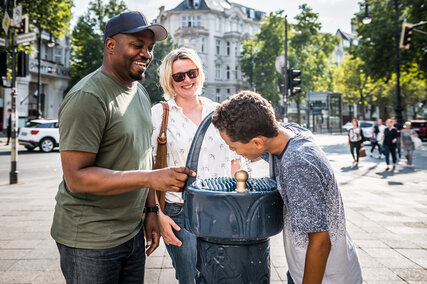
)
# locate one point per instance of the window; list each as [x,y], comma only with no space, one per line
[252,13]
[237,72]
[191,21]
[228,92]
[218,95]
[217,24]
[218,47]
[217,71]
[199,21]
[235,49]
[228,48]
[228,72]
[234,26]
[202,45]
[184,22]
[58,55]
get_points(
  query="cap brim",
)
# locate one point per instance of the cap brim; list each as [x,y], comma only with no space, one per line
[159,31]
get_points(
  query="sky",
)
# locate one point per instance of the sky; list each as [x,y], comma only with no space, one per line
[333,14]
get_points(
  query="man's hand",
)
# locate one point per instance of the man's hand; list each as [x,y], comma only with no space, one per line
[152,232]
[170,179]
[166,225]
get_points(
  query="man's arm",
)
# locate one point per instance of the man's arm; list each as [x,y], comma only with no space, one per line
[319,246]
[151,224]
[83,177]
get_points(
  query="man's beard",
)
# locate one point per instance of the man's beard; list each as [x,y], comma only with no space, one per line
[137,76]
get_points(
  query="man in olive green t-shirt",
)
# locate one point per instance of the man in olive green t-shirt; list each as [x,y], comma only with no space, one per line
[105,132]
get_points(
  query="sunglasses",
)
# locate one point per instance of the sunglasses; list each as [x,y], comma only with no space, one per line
[180,76]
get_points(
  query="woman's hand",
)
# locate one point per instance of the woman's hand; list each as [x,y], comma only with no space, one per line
[394,140]
[166,225]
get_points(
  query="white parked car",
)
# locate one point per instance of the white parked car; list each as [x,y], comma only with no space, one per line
[42,133]
[367,128]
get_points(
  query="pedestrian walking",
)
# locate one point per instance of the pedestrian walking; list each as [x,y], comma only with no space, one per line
[182,77]
[399,128]
[317,246]
[355,140]
[407,143]
[105,143]
[9,126]
[378,138]
[390,142]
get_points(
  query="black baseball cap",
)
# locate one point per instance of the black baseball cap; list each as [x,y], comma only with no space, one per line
[133,22]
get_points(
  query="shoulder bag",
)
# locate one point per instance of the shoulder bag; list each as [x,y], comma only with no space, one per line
[416,141]
[161,158]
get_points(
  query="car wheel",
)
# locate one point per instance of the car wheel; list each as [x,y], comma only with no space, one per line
[30,149]
[47,145]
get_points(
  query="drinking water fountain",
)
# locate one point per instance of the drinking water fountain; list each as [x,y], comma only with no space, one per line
[233,219]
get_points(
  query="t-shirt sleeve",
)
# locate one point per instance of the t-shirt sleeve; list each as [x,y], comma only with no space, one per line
[82,120]
[306,197]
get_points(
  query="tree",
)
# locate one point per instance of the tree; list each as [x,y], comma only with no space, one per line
[259,54]
[355,85]
[310,52]
[87,38]
[151,79]
[53,16]
[377,39]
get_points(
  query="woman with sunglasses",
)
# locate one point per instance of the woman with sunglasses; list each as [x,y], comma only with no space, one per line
[181,77]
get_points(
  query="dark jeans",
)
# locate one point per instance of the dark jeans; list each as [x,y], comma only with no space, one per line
[121,264]
[390,150]
[355,145]
[183,257]
[376,144]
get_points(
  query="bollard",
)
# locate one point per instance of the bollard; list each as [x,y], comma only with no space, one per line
[232,223]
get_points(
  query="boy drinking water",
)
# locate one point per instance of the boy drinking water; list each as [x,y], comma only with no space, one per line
[317,246]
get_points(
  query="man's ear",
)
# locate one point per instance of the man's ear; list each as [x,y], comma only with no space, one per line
[258,142]
[110,43]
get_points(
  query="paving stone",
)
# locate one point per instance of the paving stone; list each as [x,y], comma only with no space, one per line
[154,262]
[167,276]
[13,253]
[35,265]
[152,275]
[21,277]
[412,274]
[51,277]
[379,274]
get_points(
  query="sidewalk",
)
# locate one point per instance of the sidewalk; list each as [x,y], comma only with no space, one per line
[386,217]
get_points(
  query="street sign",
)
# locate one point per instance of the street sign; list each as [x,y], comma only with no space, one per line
[5,22]
[3,41]
[24,38]
[17,15]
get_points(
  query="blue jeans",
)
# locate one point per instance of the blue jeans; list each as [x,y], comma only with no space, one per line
[183,257]
[121,264]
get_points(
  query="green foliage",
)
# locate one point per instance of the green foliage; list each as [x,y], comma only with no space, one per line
[309,50]
[151,81]
[376,47]
[51,15]
[87,38]
[259,54]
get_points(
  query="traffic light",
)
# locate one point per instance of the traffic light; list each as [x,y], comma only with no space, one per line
[281,83]
[22,68]
[294,81]
[3,63]
[405,37]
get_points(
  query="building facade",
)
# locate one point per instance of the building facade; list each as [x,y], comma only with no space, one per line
[54,77]
[216,30]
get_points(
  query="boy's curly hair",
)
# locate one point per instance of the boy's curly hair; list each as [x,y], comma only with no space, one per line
[244,116]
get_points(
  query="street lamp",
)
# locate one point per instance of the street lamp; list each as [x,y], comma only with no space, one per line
[398,109]
[366,18]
